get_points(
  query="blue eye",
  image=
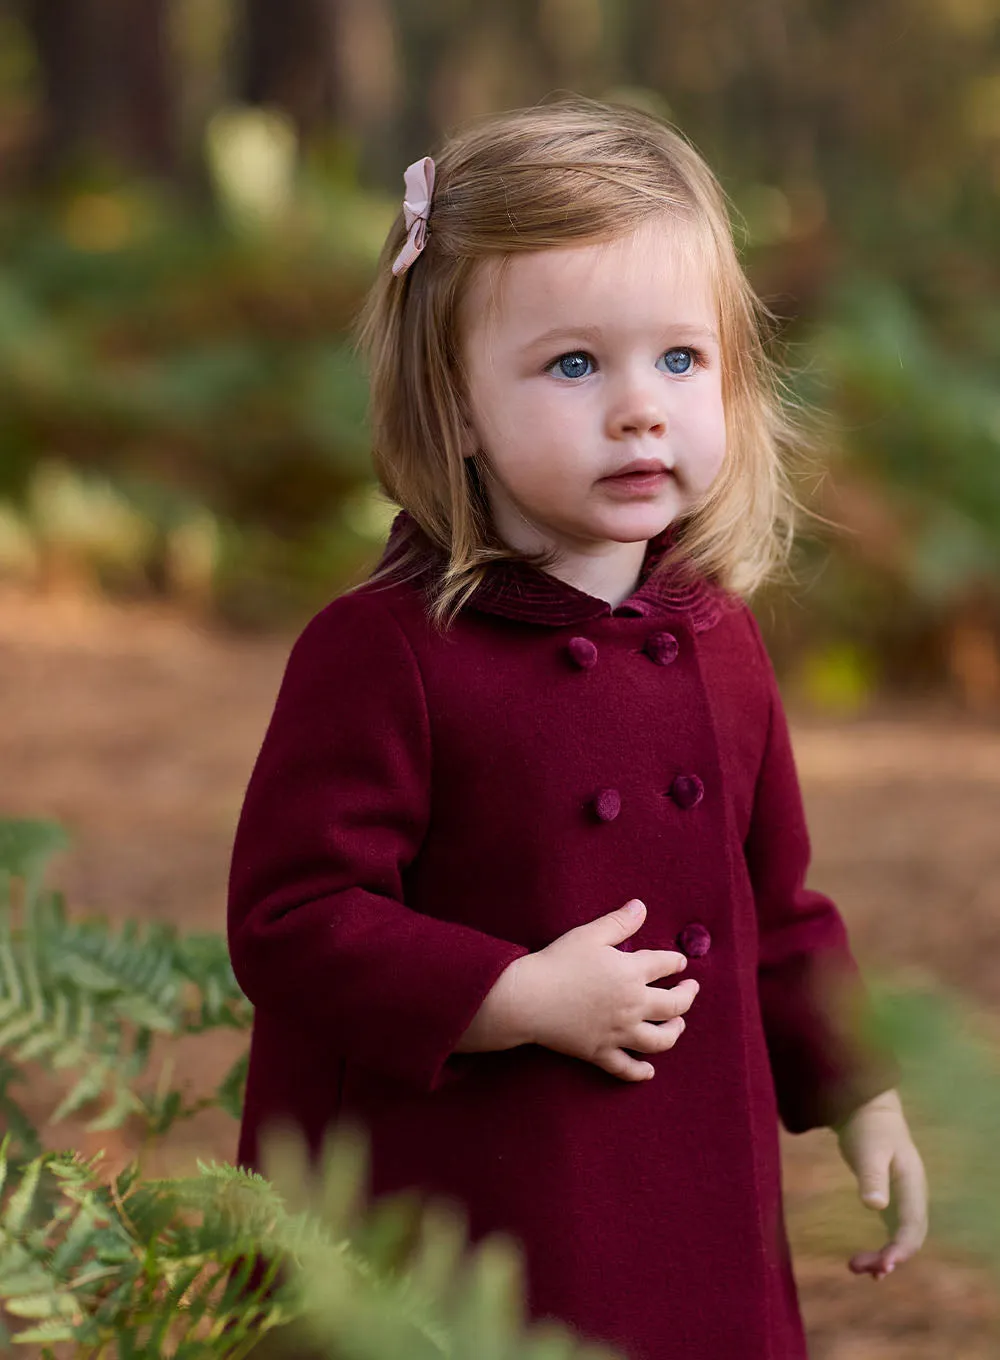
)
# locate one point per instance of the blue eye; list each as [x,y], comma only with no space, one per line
[572,365]
[680,360]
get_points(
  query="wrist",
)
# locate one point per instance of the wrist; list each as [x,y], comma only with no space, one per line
[516,1000]
[885,1101]
[502,1020]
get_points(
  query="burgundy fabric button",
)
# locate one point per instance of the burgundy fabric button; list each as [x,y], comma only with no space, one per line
[694,940]
[608,804]
[687,790]
[662,648]
[583,652]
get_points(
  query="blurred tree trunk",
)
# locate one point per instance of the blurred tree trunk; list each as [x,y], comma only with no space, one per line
[372,86]
[106,82]
[289,59]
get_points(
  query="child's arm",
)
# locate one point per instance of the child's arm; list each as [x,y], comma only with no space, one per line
[814,1007]
[336,809]
[812,998]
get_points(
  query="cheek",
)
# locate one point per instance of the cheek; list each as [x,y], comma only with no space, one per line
[710,439]
[516,427]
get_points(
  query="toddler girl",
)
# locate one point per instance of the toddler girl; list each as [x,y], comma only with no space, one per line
[518,883]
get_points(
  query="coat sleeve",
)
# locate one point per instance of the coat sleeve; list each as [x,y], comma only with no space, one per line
[815,1008]
[336,809]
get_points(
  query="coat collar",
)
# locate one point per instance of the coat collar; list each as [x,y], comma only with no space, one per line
[516,590]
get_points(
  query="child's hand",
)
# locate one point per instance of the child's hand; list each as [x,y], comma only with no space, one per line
[875,1142]
[582,996]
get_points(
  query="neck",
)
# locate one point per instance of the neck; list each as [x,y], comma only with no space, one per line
[605,569]
[612,574]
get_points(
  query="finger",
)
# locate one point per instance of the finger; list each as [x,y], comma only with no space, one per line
[654,1038]
[666,1003]
[616,926]
[623,1065]
[908,1210]
[873,1180]
[659,963]
[871,1263]
[910,1186]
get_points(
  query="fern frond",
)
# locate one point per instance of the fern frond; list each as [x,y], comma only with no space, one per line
[26,846]
[89,996]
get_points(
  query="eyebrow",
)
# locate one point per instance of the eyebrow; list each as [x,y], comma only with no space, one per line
[595,332]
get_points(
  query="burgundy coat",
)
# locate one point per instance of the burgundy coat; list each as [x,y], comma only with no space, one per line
[427,808]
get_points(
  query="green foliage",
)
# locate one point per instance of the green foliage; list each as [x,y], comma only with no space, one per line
[158,372]
[181,347]
[205,1266]
[86,997]
[925,422]
[127,1262]
[164,1267]
[952,1080]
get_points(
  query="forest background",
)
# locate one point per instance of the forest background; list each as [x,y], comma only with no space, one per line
[192,197]
[194,193]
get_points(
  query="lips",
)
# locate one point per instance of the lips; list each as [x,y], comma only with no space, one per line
[638,467]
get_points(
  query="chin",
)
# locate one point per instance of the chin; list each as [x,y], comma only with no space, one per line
[639,524]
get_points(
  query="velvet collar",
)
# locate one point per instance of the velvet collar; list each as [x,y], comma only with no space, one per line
[517,590]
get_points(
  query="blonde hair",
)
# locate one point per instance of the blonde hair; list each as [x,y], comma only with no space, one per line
[572,170]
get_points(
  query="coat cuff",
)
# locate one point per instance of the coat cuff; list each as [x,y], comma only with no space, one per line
[825,1058]
[423,1056]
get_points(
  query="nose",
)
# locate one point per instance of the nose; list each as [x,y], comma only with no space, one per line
[635,410]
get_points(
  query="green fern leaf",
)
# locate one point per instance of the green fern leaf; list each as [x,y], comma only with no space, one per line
[26,1280]
[17,1123]
[126,1102]
[88,1088]
[230,1091]
[126,1179]
[47,1305]
[20,1027]
[55,1330]
[80,1237]
[146,1012]
[21,1201]
[26,846]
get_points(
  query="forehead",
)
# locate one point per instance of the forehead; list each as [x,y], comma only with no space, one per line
[660,270]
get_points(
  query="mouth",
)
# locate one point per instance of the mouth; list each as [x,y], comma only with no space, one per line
[648,468]
[642,475]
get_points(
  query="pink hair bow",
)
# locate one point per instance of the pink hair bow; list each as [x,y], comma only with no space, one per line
[419,181]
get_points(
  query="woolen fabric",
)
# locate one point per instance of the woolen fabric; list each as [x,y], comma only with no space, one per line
[427,808]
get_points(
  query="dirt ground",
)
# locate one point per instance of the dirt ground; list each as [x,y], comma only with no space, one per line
[137,730]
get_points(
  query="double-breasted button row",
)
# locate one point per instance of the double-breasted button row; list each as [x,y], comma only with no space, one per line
[687,791]
[660,647]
